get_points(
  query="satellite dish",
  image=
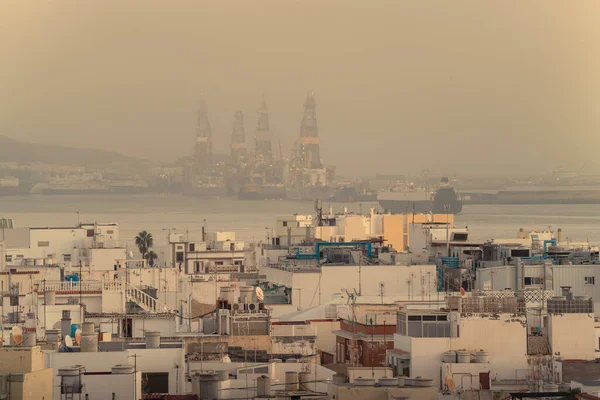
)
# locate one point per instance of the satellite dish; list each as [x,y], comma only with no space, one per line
[68,341]
[260,295]
[17,334]
[78,336]
[131,254]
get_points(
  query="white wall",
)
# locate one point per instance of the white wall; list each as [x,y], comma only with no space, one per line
[121,385]
[93,362]
[106,259]
[572,335]
[318,288]
[325,336]
[505,341]
[53,316]
[163,360]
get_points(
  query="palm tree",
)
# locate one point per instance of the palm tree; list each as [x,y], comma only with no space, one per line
[144,241]
[151,257]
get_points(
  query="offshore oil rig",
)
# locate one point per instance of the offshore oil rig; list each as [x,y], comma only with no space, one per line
[261,172]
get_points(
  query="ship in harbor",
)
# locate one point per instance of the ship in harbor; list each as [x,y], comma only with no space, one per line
[536,194]
[12,186]
[443,199]
[252,191]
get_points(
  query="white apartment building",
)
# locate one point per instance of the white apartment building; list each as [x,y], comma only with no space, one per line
[91,245]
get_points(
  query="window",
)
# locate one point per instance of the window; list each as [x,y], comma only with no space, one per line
[196,266]
[533,281]
[218,262]
[284,223]
[90,233]
[66,257]
[44,244]
[110,232]
[589,280]
[9,258]
[192,247]
[460,236]
[179,257]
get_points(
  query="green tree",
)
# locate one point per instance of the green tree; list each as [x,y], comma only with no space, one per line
[151,258]
[144,242]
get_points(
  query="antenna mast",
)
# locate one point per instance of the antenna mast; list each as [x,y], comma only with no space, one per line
[353,344]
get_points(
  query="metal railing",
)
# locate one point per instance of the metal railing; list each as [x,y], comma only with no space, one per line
[132,293]
[143,299]
[63,286]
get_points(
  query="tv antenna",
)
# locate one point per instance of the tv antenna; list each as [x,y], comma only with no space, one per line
[319,211]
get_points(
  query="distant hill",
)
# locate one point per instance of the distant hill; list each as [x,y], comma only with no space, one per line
[22,152]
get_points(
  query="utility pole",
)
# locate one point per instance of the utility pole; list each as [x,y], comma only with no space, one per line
[446,207]
[135,357]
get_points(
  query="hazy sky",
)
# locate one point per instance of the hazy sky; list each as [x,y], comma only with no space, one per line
[467,86]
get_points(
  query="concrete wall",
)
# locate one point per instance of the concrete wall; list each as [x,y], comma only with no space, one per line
[318,288]
[171,361]
[122,385]
[52,315]
[393,231]
[21,359]
[106,259]
[35,385]
[93,362]
[504,338]
[325,337]
[572,335]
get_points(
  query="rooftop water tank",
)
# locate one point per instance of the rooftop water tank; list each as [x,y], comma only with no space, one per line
[123,369]
[50,297]
[52,335]
[89,343]
[71,379]
[223,375]
[463,356]
[388,381]
[29,338]
[449,357]
[152,340]
[291,381]
[246,294]
[263,386]
[87,328]
[227,293]
[482,356]
[418,382]
[364,382]
[305,381]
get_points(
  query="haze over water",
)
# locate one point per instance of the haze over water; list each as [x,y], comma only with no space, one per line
[253,220]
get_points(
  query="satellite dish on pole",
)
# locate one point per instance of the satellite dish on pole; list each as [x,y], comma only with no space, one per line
[17,334]
[68,341]
[260,295]
[78,336]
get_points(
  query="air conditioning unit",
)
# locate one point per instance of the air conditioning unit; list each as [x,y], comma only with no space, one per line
[235,307]
[253,307]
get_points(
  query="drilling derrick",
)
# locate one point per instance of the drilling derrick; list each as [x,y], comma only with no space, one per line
[203,151]
[238,139]
[262,135]
[309,135]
